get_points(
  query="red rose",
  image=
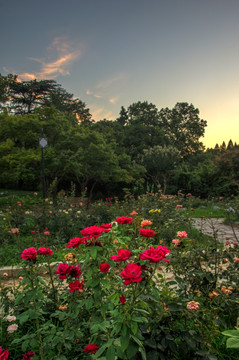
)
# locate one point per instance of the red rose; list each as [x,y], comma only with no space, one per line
[122,299]
[131,273]
[104,268]
[75,242]
[28,356]
[45,251]
[94,231]
[63,270]
[74,271]
[124,220]
[91,348]
[106,227]
[29,254]
[3,354]
[155,255]
[147,233]
[76,285]
[122,255]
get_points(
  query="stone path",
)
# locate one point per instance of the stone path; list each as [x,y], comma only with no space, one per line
[216,227]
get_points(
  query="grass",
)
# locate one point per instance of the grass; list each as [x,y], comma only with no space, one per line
[209,212]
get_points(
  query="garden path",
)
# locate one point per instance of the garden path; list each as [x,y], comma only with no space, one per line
[215,226]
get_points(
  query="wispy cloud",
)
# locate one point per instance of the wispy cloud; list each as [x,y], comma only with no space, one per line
[113,100]
[64,53]
[100,113]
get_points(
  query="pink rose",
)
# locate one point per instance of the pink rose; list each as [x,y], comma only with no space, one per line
[192,305]
[182,234]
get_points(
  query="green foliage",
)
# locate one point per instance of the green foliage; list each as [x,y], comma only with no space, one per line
[155,320]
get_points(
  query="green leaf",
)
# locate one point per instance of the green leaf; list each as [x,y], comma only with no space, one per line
[233,343]
[93,252]
[233,333]
[23,317]
[124,340]
[110,353]
[134,327]
[132,349]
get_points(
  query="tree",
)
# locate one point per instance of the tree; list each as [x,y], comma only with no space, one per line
[143,129]
[183,128]
[159,162]
[24,97]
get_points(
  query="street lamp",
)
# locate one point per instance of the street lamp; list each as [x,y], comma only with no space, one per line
[43,145]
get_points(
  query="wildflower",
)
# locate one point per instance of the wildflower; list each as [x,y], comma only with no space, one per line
[131,273]
[147,233]
[122,255]
[133,213]
[193,305]
[10,318]
[91,348]
[182,234]
[46,233]
[145,223]
[176,242]
[178,207]
[28,355]
[12,328]
[62,307]
[155,255]
[20,278]
[45,251]
[104,268]
[236,259]
[122,299]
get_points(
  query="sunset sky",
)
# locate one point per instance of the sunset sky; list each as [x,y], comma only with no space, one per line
[112,53]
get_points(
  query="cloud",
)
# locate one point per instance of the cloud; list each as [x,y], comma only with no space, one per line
[108,82]
[64,54]
[113,100]
[100,113]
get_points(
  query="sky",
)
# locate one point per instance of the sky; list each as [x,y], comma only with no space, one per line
[113,53]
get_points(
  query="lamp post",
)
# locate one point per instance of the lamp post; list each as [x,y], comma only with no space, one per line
[43,145]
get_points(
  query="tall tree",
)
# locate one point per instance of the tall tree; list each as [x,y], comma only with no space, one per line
[183,127]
